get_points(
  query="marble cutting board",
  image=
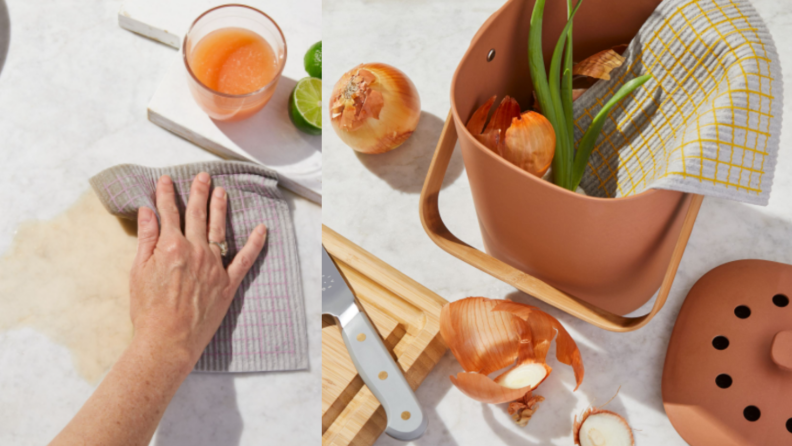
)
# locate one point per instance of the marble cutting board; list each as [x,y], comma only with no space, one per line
[268,138]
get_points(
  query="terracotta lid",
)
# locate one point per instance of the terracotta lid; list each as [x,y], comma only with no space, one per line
[728,371]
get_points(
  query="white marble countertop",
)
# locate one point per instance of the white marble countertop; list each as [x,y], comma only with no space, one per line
[73,96]
[373,201]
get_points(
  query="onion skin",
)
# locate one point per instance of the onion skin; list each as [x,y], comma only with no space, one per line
[543,330]
[483,389]
[487,335]
[475,124]
[374,108]
[523,409]
[599,65]
[475,343]
[530,143]
[493,137]
[526,140]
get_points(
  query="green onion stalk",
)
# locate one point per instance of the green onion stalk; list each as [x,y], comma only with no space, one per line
[554,94]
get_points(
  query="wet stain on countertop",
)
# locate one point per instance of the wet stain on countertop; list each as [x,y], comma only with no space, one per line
[68,278]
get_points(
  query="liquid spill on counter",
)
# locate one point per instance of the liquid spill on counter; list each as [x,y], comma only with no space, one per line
[68,278]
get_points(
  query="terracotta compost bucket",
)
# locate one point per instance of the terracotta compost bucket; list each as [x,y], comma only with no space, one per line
[594,258]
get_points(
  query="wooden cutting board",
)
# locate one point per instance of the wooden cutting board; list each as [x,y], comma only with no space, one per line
[407,315]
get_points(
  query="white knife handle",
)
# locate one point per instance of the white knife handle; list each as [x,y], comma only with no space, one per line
[384,378]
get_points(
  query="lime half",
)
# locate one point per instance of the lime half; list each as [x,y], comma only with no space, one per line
[313,60]
[305,105]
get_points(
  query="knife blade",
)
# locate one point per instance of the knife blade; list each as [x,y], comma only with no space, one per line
[374,363]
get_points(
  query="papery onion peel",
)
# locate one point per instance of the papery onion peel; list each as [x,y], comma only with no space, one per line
[526,140]
[523,409]
[483,389]
[589,70]
[487,335]
[530,143]
[374,108]
[483,341]
[543,330]
[599,65]
[494,135]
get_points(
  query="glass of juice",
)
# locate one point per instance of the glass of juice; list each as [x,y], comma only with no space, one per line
[234,56]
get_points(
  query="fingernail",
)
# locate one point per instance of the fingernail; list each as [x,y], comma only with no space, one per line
[219,193]
[203,177]
[166,180]
[261,229]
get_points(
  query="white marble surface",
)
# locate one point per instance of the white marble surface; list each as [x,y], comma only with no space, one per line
[73,95]
[373,201]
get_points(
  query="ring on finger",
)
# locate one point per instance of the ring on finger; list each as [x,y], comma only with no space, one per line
[223,247]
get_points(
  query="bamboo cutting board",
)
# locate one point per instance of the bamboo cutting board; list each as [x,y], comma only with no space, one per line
[406,314]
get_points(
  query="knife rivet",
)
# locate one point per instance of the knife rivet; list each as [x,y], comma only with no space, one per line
[405,415]
[361,337]
[383,375]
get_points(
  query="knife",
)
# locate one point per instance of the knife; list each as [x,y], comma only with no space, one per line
[373,361]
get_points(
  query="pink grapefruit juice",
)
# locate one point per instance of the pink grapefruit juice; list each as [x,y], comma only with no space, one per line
[234,61]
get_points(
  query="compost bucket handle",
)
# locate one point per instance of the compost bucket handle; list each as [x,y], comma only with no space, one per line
[439,233]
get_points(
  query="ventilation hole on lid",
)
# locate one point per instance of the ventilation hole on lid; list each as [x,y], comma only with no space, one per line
[752,413]
[742,312]
[491,55]
[780,300]
[723,381]
[720,342]
[789,425]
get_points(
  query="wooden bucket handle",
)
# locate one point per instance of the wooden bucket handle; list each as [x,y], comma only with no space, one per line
[439,233]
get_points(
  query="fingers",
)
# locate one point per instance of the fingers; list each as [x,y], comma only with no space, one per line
[217,218]
[148,234]
[166,205]
[195,218]
[247,255]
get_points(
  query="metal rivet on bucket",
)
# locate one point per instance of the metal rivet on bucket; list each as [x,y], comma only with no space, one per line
[491,55]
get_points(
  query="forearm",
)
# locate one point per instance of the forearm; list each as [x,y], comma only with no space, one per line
[127,406]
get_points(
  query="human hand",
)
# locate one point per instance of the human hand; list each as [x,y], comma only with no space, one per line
[179,289]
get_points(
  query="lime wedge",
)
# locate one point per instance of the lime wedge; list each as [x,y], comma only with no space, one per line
[305,105]
[313,60]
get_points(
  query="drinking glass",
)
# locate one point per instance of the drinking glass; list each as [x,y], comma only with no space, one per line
[233,107]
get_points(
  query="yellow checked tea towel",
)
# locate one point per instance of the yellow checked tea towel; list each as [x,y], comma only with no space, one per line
[710,120]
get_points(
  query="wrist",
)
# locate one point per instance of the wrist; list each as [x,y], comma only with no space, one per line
[169,357]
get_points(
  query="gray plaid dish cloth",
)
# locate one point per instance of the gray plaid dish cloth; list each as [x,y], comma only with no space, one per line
[264,329]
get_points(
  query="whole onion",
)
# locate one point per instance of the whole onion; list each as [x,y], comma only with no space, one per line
[374,108]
